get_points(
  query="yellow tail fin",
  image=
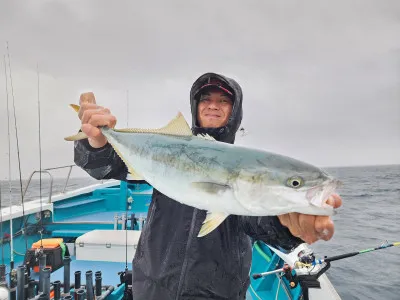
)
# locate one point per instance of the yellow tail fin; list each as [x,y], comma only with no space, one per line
[79,135]
[75,107]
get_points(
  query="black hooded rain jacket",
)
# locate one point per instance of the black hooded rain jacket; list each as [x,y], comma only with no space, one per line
[171,262]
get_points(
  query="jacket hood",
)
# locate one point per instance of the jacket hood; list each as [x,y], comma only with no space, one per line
[226,133]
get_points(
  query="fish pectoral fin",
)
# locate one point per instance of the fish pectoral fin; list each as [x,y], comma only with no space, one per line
[210,187]
[134,175]
[212,221]
[79,136]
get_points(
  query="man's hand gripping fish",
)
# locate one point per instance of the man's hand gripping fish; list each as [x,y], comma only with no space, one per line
[222,178]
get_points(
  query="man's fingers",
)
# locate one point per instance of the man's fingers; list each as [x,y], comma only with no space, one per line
[91,131]
[102,120]
[287,222]
[99,111]
[294,225]
[307,225]
[85,107]
[87,98]
[334,200]
[324,227]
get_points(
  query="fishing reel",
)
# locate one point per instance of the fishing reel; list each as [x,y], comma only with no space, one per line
[300,268]
[126,278]
[306,256]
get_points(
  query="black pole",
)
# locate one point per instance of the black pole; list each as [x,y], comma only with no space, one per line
[98,285]
[31,289]
[13,282]
[77,280]
[46,281]
[44,296]
[89,285]
[333,258]
[57,289]
[42,265]
[67,286]
[3,280]
[81,294]
[21,283]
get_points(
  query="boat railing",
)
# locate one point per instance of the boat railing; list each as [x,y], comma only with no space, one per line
[47,171]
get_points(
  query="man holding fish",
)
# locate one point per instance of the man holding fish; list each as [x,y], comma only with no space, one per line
[173,260]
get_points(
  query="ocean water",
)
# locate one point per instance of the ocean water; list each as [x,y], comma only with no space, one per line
[370,215]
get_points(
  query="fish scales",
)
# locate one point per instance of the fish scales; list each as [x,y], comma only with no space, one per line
[222,178]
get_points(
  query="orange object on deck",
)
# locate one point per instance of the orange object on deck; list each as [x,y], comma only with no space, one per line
[48,243]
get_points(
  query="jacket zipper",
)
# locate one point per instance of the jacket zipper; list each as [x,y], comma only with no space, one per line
[184,265]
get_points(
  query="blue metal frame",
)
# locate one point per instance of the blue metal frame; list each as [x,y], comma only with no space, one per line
[131,197]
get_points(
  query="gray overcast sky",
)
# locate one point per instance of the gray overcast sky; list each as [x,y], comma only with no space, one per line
[321,79]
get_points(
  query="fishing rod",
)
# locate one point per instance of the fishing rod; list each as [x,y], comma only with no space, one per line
[1,228]
[127,108]
[40,165]
[9,172]
[17,141]
[307,269]
[308,260]
[351,254]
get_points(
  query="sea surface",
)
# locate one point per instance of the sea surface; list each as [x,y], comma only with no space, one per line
[369,217]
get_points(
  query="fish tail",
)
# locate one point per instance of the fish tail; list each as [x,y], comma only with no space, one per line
[80,135]
[76,137]
[75,107]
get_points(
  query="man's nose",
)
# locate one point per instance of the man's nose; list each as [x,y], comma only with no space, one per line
[213,104]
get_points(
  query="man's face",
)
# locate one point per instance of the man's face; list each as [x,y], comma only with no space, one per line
[214,108]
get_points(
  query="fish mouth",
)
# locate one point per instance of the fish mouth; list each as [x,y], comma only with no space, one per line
[318,195]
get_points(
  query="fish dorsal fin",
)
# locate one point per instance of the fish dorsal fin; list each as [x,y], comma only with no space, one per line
[177,126]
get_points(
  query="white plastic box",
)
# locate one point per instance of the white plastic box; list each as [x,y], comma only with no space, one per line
[107,245]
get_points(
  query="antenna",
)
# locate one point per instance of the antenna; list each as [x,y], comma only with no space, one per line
[9,173]
[1,229]
[40,166]
[127,108]
[16,135]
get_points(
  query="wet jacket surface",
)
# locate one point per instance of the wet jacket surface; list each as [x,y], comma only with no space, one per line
[171,262]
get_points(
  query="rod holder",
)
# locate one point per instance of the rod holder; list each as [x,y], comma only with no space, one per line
[67,270]
[3,280]
[42,265]
[31,289]
[21,283]
[57,289]
[46,281]
[78,280]
[98,285]
[89,285]
[43,296]
[81,294]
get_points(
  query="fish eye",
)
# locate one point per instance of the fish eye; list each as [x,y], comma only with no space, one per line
[295,182]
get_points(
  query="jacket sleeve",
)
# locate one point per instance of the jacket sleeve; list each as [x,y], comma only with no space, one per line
[100,163]
[269,230]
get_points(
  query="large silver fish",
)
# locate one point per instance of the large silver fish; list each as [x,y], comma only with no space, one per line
[222,178]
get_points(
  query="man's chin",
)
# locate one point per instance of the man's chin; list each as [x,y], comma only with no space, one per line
[215,124]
